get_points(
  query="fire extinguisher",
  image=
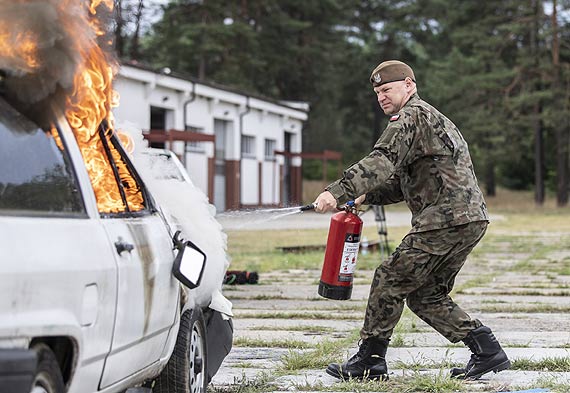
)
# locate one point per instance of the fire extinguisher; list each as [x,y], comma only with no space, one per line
[341,254]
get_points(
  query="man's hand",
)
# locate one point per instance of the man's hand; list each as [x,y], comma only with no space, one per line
[358,201]
[325,202]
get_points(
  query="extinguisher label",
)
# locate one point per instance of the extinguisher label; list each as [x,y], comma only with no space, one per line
[349,256]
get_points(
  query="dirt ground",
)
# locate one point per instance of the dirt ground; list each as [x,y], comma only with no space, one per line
[521,292]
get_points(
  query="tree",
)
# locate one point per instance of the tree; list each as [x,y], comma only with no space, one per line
[499,69]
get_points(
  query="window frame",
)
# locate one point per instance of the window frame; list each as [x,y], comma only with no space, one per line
[271,156]
[70,168]
[148,201]
[249,143]
[194,147]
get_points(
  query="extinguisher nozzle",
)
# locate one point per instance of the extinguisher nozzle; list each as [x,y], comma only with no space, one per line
[310,206]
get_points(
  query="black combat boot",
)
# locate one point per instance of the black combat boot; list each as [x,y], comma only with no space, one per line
[487,355]
[368,363]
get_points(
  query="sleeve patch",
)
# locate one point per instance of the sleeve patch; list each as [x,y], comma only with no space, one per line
[394,117]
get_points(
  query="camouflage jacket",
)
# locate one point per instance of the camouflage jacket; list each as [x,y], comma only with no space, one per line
[421,158]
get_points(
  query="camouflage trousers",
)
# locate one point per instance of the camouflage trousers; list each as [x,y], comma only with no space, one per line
[422,271]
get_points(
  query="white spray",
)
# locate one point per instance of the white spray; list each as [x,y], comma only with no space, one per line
[188,208]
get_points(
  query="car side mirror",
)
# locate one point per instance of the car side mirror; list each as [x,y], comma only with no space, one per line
[189,263]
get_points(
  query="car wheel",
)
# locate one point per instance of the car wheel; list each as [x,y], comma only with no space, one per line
[48,377]
[186,370]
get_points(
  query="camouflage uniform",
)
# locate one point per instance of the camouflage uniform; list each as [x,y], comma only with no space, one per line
[420,158]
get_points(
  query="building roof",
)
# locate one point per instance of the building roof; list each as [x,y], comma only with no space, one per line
[292,105]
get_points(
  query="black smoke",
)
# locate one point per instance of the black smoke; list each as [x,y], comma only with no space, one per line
[62,34]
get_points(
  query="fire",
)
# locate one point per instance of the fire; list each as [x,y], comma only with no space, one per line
[60,36]
[89,114]
[21,48]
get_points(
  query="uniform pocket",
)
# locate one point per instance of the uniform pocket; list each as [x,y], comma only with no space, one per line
[436,242]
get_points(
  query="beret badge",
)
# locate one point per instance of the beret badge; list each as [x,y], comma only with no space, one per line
[377,78]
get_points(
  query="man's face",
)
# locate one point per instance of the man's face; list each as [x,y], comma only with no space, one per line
[392,96]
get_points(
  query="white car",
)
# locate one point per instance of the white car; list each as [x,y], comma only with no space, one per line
[94,300]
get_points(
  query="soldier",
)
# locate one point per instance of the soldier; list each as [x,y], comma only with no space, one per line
[421,158]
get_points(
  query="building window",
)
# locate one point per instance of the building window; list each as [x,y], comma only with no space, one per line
[195,147]
[269,149]
[248,146]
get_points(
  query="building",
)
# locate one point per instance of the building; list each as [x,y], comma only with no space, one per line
[242,150]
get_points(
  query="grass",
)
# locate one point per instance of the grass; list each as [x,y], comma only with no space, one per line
[397,340]
[325,352]
[523,308]
[478,281]
[263,255]
[263,382]
[296,315]
[413,382]
[553,364]
[546,382]
[300,328]
[261,297]
[416,382]
[528,244]
[259,343]
[422,363]
[520,293]
[243,365]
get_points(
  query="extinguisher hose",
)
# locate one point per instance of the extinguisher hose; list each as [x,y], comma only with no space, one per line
[311,206]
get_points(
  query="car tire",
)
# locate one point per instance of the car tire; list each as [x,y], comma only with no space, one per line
[48,377]
[186,370]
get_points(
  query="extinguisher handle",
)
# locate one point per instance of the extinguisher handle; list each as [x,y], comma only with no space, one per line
[348,206]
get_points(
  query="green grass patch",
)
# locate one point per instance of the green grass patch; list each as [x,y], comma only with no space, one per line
[263,382]
[561,364]
[397,340]
[416,382]
[324,353]
[259,250]
[259,343]
[299,328]
[243,365]
[298,315]
[426,364]
[516,345]
[546,382]
[524,308]
[261,297]
[521,293]
[479,281]
[408,323]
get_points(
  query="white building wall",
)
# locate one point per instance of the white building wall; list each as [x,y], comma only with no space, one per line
[270,186]
[197,168]
[134,106]
[140,89]
[198,116]
[249,181]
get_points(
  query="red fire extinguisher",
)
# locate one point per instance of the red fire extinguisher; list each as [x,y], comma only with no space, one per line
[341,253]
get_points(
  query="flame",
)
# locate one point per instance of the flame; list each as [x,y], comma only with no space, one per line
[21,48]
[126,141]
[89,109]
[88,106]
[55,135]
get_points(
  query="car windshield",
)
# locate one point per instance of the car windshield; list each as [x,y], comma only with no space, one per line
[36,177]
[163,166]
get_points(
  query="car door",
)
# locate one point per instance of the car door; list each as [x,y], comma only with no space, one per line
[58,272]
[147,295]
